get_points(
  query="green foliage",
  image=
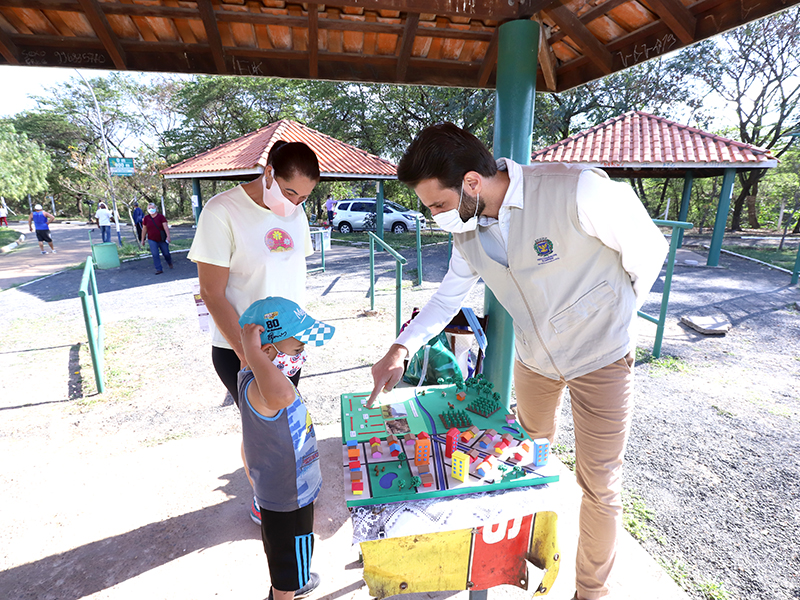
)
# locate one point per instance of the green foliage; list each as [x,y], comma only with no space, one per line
[23,164]
[636,516]
[565,455]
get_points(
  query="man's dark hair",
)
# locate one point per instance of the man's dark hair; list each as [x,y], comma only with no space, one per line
[444,152]
[293,158]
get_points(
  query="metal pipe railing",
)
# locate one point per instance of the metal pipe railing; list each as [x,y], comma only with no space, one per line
[95,334]
[662,317]
[399,262]
[321,235]
[419,252]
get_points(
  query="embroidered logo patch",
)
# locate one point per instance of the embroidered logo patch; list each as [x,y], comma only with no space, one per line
[277,240]
[544,251]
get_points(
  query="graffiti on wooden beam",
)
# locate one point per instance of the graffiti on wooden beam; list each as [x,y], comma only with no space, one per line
[644,51]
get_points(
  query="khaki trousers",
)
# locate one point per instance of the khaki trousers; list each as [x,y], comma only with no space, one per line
[602,404]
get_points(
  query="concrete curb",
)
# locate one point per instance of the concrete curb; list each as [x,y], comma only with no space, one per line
[12,245]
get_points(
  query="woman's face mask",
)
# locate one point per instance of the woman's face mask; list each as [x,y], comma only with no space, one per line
[152,211]
[289,365]
[275,200]
[450,220]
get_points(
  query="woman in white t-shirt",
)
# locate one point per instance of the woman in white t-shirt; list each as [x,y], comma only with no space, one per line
[252,242]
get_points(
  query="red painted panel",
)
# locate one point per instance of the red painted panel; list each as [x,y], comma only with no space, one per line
[498,555]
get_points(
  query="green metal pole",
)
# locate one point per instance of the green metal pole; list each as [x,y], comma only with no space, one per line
[517,62]
[688,180]
[419,253]
[722,217]
[662,315]
[371,273]
[197,199]
[379,208]
[796,272]
[398,298]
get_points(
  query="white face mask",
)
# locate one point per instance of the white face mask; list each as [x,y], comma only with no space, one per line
[289,365]
[450,220]
[275,200]
[152,211]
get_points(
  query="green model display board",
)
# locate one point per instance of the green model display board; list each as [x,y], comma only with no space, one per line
[419,443]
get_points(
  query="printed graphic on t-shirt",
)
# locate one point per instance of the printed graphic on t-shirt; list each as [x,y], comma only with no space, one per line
[278,240]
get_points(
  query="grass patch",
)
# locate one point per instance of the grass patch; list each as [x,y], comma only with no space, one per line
[722,412]
[397,241]
[7,236]
[151,442]
[780,258]
[565,455]
[683,576]
[131,250]
[667,364]
[636,516]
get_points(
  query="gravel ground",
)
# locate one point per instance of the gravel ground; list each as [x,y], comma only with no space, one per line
[713,454]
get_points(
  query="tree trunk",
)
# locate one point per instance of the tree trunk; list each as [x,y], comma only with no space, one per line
[752,213]
[181,195]
[79,203]
[661,199]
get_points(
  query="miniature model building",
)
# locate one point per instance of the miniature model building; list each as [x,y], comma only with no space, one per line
[541,451]
[422,443]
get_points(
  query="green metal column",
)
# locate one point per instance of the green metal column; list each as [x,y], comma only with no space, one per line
[379,209]
[197,199]
[517,62]
[687,194]
[722,217]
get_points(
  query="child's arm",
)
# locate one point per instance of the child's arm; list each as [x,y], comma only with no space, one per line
[271,391]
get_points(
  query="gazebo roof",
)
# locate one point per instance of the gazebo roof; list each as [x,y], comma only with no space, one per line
[246,156]
[638,144]
[431,42]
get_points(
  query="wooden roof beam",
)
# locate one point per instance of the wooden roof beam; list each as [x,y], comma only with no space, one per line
[547,61]
[591,47]
[212,34]
[9,49]
[489,60]
[677,17]
[97,19]
[313,41]
[409,33]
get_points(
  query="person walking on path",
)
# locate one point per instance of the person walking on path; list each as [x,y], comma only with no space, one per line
[571,255]
[42,219]
[251,243]
[103,218]
[138,217]
[157,231]
[3,215]
[330,204]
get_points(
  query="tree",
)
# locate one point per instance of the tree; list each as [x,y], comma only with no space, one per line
[756,69]
[23,164]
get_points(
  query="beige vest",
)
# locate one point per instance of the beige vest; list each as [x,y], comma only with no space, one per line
[571,301]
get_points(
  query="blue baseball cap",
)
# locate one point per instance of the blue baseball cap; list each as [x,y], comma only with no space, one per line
[283,319]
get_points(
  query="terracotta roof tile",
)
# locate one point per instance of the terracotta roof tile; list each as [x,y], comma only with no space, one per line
[248,155]
[641,140]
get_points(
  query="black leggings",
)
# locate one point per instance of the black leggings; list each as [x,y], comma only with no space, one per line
[227,365]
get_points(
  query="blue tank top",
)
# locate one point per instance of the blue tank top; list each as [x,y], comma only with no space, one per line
[281,453]
[40,220]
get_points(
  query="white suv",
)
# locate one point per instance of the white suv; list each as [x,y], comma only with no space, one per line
[349,215]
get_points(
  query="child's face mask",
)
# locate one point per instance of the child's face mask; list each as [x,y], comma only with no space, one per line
[289,365]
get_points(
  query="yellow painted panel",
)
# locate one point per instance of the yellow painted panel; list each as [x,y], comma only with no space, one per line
[417,563]
[544,552]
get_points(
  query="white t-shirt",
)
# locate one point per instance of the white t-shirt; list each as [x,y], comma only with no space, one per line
[103,216]
[3,211]
[265,253]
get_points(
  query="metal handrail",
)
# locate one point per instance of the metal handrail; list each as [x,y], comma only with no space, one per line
[662,317]
[399,262]
[796,271]
[419,251]
[321,235]
[95,334]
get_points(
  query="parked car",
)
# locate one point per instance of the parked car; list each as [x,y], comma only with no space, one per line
[350,215]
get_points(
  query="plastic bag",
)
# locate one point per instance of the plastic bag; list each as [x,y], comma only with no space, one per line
[437,361]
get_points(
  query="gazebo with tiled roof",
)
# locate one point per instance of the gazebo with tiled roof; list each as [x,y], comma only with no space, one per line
[638,144]
[245,158]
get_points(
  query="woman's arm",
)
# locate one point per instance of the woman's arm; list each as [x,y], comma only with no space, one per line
[213,281]
[166,228]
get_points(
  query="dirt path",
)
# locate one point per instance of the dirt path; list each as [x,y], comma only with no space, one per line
[713,451]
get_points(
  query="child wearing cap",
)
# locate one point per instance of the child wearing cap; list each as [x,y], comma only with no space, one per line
[280,447]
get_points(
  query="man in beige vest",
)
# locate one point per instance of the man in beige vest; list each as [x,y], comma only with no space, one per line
[571,255]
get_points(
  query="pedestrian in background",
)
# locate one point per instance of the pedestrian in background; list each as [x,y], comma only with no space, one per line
[42,220]
[138,217]
[330,204]
[157,231]
[3,216]
[103,218]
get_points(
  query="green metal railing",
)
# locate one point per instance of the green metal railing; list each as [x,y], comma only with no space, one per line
[321,235]
[93,332]
[796,272]
[662,317]
[399,262]
[419,251]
